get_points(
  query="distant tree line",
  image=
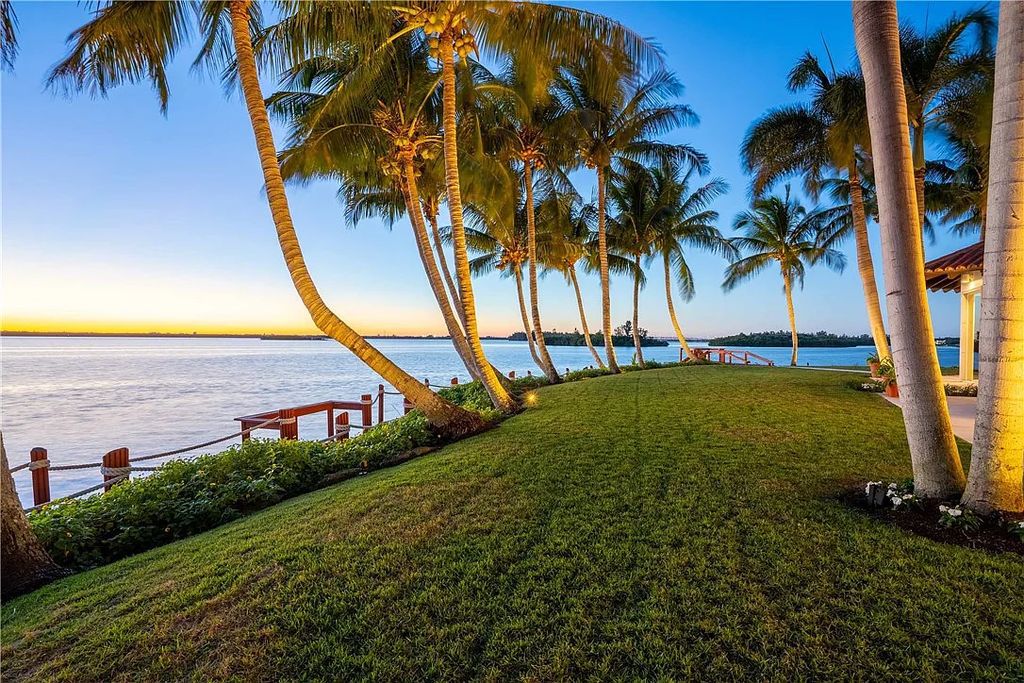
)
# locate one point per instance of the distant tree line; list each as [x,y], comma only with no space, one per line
[784,338]
[576,338]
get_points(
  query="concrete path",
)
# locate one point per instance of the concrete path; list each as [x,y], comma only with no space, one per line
[962,410]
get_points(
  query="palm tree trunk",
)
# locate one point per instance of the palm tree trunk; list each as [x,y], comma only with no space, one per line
[531,248]
[865,264]
[502,400]
[997,458]
[448,419]
[25,564]
[636,314]
[672,309]
[583,317]
[518,275]
[442,260]
[787,286]
[917,137]
[936,463]
[602,255]
[419,229]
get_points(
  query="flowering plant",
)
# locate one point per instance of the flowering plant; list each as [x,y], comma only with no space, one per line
[1017,529]
[956,516]
[901,494]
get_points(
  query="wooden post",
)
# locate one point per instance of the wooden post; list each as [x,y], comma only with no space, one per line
[407,405]
[367,408]
[511,374]
[115,458]
[330,422]
[245,434]
[40,476]
[289,424]
[342,426]
[380,403]
[455,381]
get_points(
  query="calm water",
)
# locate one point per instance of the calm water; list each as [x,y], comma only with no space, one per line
[81,397]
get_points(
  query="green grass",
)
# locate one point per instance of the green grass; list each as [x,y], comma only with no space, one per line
[677,523]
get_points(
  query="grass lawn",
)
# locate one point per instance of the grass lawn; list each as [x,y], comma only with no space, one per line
[677,523]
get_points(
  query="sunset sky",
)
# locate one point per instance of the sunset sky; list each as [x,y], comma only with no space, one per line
[116,218]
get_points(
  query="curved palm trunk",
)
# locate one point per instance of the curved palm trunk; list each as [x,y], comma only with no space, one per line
[936,463]
[419,230]
[583,317]
[636,314]
[917,136]
[25,564]
[518,275]
[787,286]
[531,248]
[672,309]
[997,459]
[499,395]
[866,266]
[445,417]
[442,260]
[602,254]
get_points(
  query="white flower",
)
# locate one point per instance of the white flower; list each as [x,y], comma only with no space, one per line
[956,512]
[892,486]
[908,496]
[943,508]
[896,502]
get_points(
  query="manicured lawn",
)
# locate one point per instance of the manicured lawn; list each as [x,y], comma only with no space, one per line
[677,523]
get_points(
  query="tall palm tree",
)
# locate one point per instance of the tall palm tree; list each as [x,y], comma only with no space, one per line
[827,135]
[8,35]
[997,459]
[522,121]
[381,147]
[688,222]
[931,63]
[780,231]
[936,462]
[131,42]
[457,28]
[614,115]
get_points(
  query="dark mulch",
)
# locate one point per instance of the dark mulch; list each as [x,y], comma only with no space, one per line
[922,519]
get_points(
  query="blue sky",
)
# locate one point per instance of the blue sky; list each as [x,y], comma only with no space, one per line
[114,216]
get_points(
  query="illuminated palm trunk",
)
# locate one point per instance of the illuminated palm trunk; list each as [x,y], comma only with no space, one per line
[787,286]
[531,248]
[866,266]
[518,275]
[583,317]
[499,395]
[672,309]
[444,416]
[602,255]
[997,458]
[636,314]
[442,260]
[933,453]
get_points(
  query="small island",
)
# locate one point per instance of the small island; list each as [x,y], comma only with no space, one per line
[820,339]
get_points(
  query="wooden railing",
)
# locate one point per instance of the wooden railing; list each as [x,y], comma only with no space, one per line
[727,356]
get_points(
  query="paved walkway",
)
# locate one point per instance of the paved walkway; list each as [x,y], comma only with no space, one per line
[962,410]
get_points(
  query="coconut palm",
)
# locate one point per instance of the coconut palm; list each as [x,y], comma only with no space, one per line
[545,33]
[936,463]
[997,458]
[688,222]
[8,35]
[781,231]
[614,115]
[132,42]
[931,63]
[828,135]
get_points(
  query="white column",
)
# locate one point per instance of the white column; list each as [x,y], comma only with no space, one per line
[970,285]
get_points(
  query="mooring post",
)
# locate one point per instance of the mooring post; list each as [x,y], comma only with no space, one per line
[367,408]
[289,424]
[511,374]
[455,381]
[40,469]
[330,422]
[342,428]
[115,459]
[407,405]
[380,403]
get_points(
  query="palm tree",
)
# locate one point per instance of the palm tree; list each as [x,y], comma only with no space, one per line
[828,135]
[613,116]
[936,463]
[687,222]
[380,147]
[780,230]
[545,33]
[8,35]
[130,42]
[997,458]
[932,62]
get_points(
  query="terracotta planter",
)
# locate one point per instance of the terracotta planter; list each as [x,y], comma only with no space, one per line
[874,368]
[892,391]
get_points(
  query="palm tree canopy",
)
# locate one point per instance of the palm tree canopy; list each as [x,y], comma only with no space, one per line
[8,35]
[780,230]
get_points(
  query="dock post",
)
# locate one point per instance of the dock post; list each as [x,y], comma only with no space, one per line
[511,374]
[407,405]
[40,469]
[380,403]
[455,381]
[342,428]
[289,424]
[367,409]
[116,458]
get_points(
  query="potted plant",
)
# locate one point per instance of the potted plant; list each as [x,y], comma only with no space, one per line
[874,363]
[887,371]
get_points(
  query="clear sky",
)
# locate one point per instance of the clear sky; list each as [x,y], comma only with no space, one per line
[117,218]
